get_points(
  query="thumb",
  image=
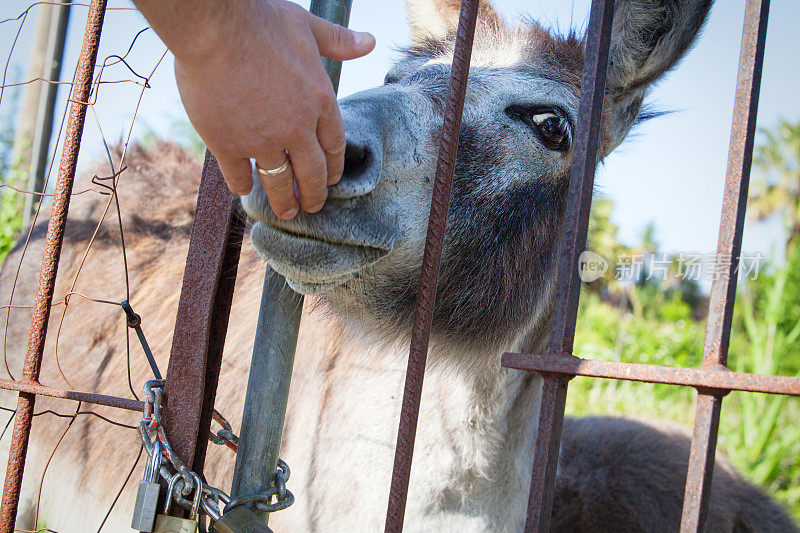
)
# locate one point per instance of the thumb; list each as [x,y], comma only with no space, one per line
[337,42]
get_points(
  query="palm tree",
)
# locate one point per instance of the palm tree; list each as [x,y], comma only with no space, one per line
[777,190]
[602,239]
[777,194]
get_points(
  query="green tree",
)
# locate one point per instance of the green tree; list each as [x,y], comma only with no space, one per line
[776,194]
[12,203]
[776,191]
[602,239]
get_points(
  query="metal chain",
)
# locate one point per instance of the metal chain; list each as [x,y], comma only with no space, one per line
[183,482]
[224,436]
[263,500]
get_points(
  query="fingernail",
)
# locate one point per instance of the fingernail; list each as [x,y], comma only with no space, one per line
[241,191]
[363,38]
[334,180]
[316,208]
[290,213]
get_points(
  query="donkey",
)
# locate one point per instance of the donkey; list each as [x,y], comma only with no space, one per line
[358,262]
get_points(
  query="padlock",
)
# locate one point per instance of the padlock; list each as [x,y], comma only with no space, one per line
[240,519]
[144,512]
[173,524]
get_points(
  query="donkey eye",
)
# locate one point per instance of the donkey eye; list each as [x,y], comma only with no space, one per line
[551,126]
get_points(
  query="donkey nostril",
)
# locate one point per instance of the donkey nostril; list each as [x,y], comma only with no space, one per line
[357,158]
[362,170]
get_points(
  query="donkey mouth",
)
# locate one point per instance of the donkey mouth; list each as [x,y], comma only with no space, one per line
[314,262]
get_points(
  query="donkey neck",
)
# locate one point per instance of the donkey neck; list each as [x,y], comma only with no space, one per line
[477,424]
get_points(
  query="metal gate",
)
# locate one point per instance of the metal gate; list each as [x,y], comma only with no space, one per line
[210,274]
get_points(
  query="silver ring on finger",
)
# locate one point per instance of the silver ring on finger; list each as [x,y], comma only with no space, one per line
[274,171]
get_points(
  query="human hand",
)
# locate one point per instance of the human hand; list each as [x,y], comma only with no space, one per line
[251,80]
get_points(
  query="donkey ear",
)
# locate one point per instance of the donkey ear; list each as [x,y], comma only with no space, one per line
[438,19]
[648,38]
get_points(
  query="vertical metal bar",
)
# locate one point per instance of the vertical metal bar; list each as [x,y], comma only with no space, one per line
[426,297]
[581,183]
[723,289]
[46,110]
[219,320]
[701,462]
[202,318]
[545,461]
[50,258]
[267,388]
[338,12]
[576,222]
[273,351]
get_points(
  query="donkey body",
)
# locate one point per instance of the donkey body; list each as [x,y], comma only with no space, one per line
[358,261]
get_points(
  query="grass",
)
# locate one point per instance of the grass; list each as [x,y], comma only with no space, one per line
[758,433]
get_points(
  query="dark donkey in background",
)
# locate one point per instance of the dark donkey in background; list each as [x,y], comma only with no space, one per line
[358,260]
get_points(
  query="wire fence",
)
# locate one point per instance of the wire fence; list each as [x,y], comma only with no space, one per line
[100,224]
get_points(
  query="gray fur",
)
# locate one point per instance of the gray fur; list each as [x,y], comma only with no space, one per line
[628,475]
[508,189]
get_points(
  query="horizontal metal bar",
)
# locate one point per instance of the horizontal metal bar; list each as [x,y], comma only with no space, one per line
[717,378]
[88,397]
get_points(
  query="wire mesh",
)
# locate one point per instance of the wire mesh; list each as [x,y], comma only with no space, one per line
[104,246]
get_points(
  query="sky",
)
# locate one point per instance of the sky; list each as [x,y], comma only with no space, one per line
[670,172]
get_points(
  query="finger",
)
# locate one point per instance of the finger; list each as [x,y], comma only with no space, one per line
[330,133]
[238,174]
[279,187]
[337,42]
[310,170]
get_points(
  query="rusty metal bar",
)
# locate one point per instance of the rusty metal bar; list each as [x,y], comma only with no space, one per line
[87,397]
[740,157]
[581,183]
[701,463]
[573,242]
[718,379]
[219,319]
[426,297]
[202,318]
[50,258]
[274,347]
[545,460]
[723,289]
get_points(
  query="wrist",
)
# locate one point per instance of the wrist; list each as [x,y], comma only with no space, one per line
[198,31]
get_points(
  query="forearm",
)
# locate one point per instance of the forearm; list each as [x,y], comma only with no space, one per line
[194,29]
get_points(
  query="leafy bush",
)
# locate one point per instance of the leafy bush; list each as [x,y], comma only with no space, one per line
[12,203]
[758,433]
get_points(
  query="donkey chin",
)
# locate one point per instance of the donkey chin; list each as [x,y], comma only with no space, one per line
[317,252]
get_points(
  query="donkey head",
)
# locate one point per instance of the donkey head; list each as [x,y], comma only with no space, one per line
[363,251]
